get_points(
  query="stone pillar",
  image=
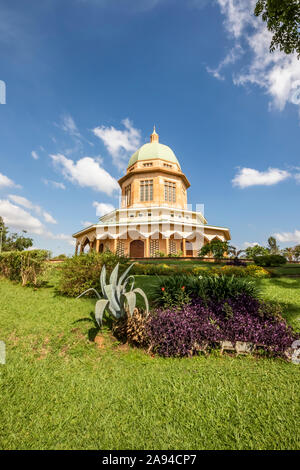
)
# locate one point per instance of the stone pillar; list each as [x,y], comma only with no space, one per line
[167,246]
[91,246]
[81,248]
[76,249]
[183,247]
[97,246]
[115,245]
[147,250]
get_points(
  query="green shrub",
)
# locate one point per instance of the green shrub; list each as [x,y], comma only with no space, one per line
[82,272]
[23,266]
[240,271]
[169,291]
[60,257]
[161,269]
[269,260]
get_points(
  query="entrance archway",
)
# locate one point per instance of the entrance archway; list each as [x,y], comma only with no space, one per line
[188,248]
[137,249]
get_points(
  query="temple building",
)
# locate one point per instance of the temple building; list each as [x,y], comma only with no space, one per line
[154,216]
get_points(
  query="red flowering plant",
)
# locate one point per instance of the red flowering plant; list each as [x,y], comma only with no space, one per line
[173,298]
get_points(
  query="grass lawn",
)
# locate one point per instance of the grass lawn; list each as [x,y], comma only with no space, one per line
[58,390]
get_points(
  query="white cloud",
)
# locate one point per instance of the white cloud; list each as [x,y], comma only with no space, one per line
[48,218]
[233,55]
[86,223]
[297,177]
[249,244]
[55,184]
[60,236]
[249,177]
[6,182]
[286,237]
[276,73]
[102,208]
[68,125]
[86,172]
[119,143]
[34,155]
[20,219]
[22,201]
[16,217]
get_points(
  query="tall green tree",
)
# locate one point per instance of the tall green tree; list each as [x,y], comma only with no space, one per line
[13,241]
[288,253]
[272,246]
[283,20]
[216,248]
[3,233]
[297,252]
[256,250]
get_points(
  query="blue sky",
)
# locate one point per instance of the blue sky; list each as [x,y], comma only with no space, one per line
[87,79]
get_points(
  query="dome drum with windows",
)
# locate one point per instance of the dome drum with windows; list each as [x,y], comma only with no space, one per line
[153,216]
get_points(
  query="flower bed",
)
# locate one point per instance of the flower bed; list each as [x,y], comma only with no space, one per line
[164,269]
[185,331]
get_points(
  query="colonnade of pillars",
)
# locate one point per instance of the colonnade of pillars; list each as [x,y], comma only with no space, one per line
[115,245]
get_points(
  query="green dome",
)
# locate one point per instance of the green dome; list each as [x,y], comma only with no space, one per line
[152,151]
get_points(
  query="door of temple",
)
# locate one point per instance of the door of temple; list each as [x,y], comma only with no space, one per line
[188,248]
[137,249]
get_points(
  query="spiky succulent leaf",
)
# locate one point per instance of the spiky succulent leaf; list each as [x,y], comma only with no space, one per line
[123,276]
[124,285]
[103,279]
[114,276]
[99,310]
[110,295]
[131,301]
[137,290]
[91,288]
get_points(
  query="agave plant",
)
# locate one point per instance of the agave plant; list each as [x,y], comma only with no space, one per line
[116,298]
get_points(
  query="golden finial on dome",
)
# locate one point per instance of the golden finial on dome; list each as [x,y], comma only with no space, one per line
[154,136]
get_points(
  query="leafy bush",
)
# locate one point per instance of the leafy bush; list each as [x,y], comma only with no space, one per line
[216,248]
[218,288]
[82,272]
[178,254]
[200,270]
[249,271]
[23,266]
[60,257]
[185,331]
[257,271]
[161,269]
[214,288]
[269,260]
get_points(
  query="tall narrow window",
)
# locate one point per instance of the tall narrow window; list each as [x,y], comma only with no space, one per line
[170,191]
[146,190]
[128,195]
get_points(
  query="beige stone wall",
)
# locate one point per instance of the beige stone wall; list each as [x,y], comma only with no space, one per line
[159,174]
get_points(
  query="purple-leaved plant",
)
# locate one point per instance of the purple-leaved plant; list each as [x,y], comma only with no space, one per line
[180,332]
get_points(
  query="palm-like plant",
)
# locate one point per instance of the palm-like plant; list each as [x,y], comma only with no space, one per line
[288,253]
[116,298]
[232,250]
